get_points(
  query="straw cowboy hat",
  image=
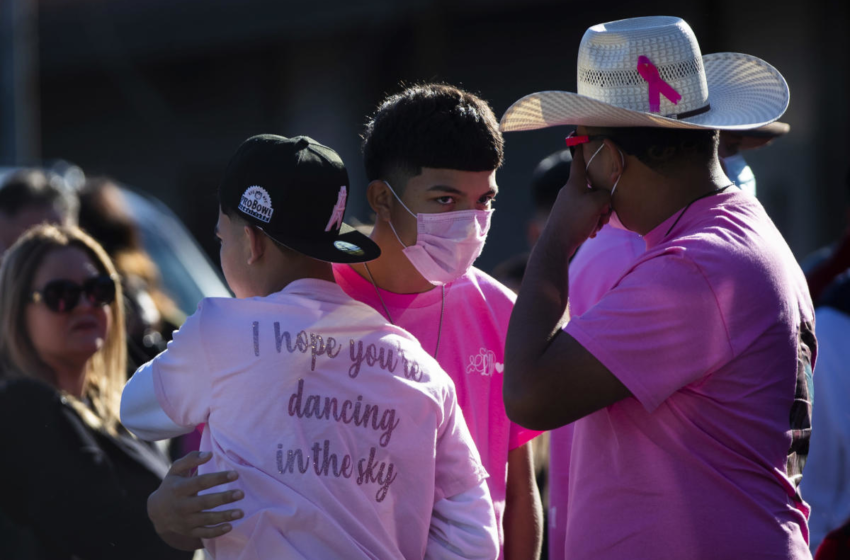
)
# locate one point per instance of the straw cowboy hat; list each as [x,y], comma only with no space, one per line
[650,72]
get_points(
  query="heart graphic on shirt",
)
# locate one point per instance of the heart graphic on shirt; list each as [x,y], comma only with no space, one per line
[500,367]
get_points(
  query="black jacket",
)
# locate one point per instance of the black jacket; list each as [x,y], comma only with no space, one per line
[70,490]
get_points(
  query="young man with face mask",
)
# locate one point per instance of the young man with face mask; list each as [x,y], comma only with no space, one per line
[342,433]
[689,381]
[431,153]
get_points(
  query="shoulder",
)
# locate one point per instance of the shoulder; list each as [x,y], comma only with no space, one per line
[30,407]
[488,287]
[25,392]
[664,268]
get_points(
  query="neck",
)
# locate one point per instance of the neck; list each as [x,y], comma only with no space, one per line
[392,271]
[271,282]
[70,377]
[664,195]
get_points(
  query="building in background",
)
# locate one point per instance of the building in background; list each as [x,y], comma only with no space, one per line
[158,93]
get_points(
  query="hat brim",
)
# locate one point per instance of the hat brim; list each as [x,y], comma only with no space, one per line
[745,92]
[759,137]
[348,247]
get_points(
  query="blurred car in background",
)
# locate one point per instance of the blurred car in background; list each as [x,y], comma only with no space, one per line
[187,274]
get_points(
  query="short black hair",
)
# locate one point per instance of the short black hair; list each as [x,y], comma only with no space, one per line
[33,187]
[663,148]
[431,125]
[551,174]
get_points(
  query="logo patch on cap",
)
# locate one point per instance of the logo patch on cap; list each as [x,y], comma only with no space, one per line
[349,248]
[257,203]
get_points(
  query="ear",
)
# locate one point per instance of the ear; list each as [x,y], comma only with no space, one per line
[256,244]
[380,199]
[617,159]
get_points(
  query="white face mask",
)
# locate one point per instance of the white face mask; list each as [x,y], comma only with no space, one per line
[740,173]
[446,243]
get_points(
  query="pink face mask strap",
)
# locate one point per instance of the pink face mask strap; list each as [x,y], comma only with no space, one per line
[657,86]
[403,205]
[396,235]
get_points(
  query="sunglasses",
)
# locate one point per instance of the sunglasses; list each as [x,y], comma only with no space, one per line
[574,140]
[61,296]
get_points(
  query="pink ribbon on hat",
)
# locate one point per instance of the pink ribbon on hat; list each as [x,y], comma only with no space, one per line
[657,86]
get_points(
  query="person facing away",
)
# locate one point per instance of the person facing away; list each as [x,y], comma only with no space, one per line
[689,381]
[151,316]
[77,481]
[29,197]
[827,484]
[344,433]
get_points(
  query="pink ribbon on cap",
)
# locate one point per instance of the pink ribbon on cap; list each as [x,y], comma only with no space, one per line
[657,86]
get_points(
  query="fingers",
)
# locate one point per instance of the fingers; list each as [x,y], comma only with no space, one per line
[213,518]
[210,501]
[185,465]
[602,199]
[578,178]
[210,532]
[206,481]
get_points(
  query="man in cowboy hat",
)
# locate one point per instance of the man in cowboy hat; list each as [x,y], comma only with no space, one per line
[596,266]
[690,380]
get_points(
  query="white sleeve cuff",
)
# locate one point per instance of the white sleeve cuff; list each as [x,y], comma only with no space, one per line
[464,526]
[141,412]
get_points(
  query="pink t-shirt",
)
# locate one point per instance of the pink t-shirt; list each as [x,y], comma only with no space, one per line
[343,430]
[711,331]
[597,265]
[472,352]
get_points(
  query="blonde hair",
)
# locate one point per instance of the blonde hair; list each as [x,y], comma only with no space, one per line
[106,369]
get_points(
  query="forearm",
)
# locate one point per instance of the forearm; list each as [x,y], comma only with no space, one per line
[141,412]
[537,317]
[523,519]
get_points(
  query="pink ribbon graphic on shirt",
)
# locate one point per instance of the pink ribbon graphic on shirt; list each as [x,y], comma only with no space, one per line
[657,86]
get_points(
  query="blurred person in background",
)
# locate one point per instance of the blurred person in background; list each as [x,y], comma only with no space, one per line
[826,485]
[550,175]
[151,316]
[597,264]
[734,142]
[32,196]
[76,481]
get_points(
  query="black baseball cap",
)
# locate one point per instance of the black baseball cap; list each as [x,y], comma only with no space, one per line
[295,191]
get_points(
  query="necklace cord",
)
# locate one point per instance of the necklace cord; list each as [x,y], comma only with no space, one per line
[389,317]
[688,205]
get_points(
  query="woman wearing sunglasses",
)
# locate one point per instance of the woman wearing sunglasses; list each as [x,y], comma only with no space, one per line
[75,481]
